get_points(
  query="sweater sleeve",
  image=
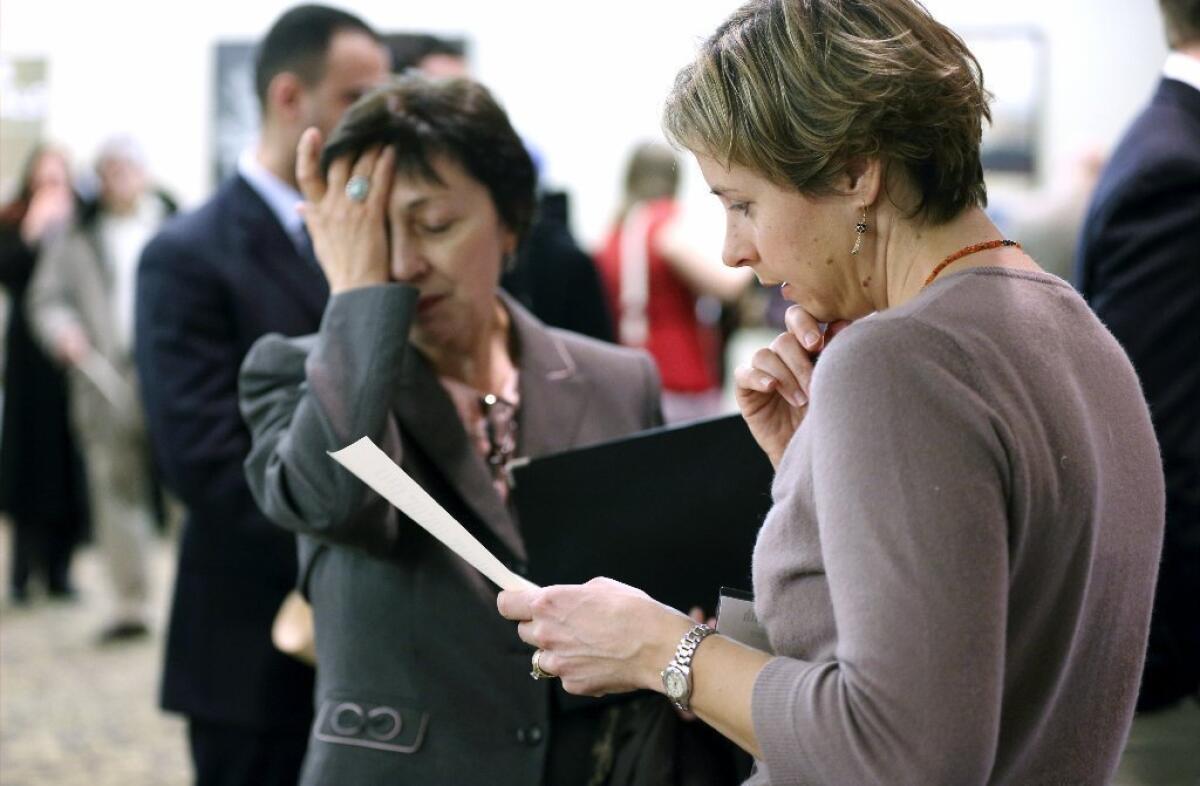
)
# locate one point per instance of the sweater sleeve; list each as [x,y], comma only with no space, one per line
[910,487]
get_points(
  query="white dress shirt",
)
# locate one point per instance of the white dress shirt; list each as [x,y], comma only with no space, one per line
[280,196]
[123,237]
[1183,68]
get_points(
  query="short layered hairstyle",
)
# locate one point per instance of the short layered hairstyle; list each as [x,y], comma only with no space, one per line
[424,118]
[298,43]
[797,90]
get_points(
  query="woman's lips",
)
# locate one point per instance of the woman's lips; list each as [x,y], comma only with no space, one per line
[427,302]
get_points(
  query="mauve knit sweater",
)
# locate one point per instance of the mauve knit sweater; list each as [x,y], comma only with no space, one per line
[957,573]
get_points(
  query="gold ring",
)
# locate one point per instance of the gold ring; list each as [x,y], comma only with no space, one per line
[538,673]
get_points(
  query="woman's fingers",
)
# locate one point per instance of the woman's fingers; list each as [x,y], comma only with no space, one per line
[804,327]
[798,360]
[364,165]
[786,383]
[807,329]
[747,377]
[527,632]
[308,161]
[516,605]
[381,178]
[339,173]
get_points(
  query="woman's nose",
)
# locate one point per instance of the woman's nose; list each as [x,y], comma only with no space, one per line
[737,251]
[409,264]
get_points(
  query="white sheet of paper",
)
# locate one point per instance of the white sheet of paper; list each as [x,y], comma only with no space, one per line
[375,468]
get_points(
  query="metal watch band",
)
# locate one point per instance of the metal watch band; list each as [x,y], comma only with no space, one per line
[682,662]
[689,643]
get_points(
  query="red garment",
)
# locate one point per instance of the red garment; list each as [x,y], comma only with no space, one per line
[681,346]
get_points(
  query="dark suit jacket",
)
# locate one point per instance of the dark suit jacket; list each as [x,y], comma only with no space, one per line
[1139,268]
[209,285]
[556,279]
[420,680]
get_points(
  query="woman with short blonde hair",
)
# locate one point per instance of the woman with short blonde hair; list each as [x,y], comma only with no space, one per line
[957,572]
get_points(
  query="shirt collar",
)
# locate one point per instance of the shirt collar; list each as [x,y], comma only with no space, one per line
[279,196]
[1183,68]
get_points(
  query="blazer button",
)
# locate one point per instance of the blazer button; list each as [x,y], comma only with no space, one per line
[531,735]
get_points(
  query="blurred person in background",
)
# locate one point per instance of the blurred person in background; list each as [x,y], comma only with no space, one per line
[210,284]
[80,305]
[552,276]
[430,54]
[1139,268]
[654,279]
[1048,223]
[42,484]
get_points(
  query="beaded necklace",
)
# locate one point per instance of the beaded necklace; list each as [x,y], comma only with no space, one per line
[967,251]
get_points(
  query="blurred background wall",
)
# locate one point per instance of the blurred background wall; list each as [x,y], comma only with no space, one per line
[583,81]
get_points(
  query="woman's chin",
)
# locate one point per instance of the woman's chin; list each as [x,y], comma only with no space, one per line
[804,299]
[433,334]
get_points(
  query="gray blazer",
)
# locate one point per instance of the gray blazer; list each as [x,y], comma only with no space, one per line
[420,680]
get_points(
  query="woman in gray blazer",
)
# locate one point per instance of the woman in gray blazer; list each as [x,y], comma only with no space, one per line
[418,198]
[956,575]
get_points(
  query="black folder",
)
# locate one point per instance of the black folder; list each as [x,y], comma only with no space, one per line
[673,511]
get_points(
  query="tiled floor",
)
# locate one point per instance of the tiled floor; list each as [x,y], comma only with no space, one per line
[76,714]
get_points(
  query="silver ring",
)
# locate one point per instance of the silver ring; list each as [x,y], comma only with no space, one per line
[357,188]
[538,673]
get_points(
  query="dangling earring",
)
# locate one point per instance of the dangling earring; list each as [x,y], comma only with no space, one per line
[860,229]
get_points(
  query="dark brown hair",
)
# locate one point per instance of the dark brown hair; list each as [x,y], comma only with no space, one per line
[798,89]
[14,212]
[422,118]
[1182,20]
[298,43]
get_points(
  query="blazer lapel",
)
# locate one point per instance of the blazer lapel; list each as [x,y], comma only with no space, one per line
[268,245]
[554,392]
[428,416]
[1181,94]
[553,403]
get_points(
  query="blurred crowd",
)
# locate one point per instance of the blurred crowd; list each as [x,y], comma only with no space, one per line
[127,324]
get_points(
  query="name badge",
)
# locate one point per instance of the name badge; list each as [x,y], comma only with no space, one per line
[737,620]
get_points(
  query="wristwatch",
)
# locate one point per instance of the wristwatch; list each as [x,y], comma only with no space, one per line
[677,676]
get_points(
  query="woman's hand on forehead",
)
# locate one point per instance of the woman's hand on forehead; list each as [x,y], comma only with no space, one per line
[349,234]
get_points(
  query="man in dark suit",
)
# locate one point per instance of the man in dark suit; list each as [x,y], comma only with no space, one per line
[556,279]
[1139,268]
[209,285]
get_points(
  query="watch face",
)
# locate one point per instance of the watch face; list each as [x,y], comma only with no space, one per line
[675,682]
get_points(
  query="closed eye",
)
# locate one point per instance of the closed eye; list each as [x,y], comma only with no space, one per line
[741,207]
[435,229]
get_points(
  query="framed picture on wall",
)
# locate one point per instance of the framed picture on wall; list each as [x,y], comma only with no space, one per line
[235,124]
[24,85]
[1014,66]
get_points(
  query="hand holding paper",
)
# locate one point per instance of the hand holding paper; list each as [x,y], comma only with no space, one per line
[375,468]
